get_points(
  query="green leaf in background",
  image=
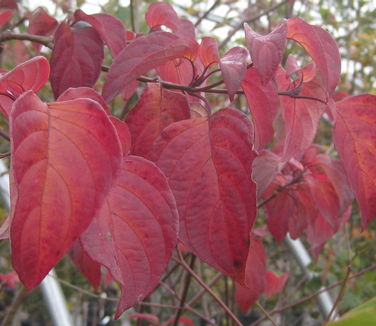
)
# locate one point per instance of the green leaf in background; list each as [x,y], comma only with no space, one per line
[362,315]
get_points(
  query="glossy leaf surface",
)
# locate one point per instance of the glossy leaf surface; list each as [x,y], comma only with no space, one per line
[58,150]
[208,163]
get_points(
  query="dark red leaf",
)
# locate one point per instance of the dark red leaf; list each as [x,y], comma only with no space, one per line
[29,75]
[354,138]
[110,29]
[208,51]
[149,317]
[263,104]
[234,67]
[58,149]
[182,321]
[41,23]
[274,283]
[162,13]
[76,58]
[135,231]
[246,296]
[320,46]
[10,279]
[11,4]
[300,115]
[266,50]
[87,266]
[144,54]
[208,163]
[155,110]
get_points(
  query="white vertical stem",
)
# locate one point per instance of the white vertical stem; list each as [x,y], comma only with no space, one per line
[302,257]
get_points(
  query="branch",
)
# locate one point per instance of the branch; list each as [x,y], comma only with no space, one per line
[215,4]
[16,303]
[203,284]
[8,36]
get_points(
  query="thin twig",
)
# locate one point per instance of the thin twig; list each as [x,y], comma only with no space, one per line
[215,4]
[5,154]
[4,134]
[339,296]
[185,292]
[267,315]
[131,12]
[16,304]
[203,284]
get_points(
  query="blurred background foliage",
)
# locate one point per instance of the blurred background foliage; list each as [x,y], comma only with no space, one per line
[352,23]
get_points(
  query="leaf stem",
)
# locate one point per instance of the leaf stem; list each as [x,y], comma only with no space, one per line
[267,315]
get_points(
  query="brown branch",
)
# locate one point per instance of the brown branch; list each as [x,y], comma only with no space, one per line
[2,155]
[215,4]
[185,292]
[208,289]
[4,134]
[8,36]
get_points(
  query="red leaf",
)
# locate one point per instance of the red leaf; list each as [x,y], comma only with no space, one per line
[144,54]
[263,103]
[320,46]
[87,266]
[266,166]
[76,58]
[234,67]
[329,188]
[135,231]
[11,4]
[162,13]
[208,165]
[41,23]
[5,16]
[291,211]
[300,116]
[110,29]
[266,50]
[58,150]
[274,283]
[29,75]
[255,276]
[123,133]
[83,92]
[354,134]
[208,51]
[155,110]
[320,231]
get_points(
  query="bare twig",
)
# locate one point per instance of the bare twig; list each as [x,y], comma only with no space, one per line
[8,36]
[215,4]
[267,315]
[203,284]
[16,304]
